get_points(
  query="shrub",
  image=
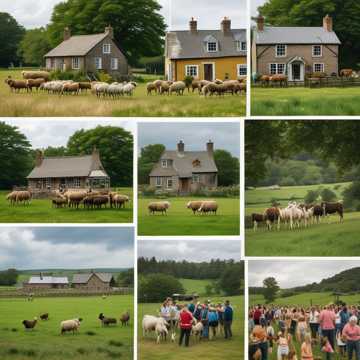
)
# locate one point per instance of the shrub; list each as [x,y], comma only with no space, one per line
[352,196]
[311,196]
[188,81]
[104,77]
[68,75]
[115,343]
[327,195]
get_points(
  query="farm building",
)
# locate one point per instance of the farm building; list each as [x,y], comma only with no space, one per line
[67,172]
[46,282]
[185,171]
[295,51]
[88,53]
[93,281]
[206,54]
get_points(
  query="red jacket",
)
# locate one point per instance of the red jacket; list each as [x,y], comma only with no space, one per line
[186,320]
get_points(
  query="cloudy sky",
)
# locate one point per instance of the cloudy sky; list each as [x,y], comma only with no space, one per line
[296,273]
[194,135]
[190,250]
[255,4]
[35,13]
[60,247]
[57,132]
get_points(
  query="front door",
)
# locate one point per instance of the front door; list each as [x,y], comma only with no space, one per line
[297,71]
[184,185]
[208,72]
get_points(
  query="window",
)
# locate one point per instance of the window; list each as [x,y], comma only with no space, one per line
[76,182]
[169,183]
[106,48]
[242,69]
[98,63]
[114,63]
[277,69]
[280,50]
[48,182]
[240,45]
[317,51]
[195,178]
[192,70]
[158,181]
[319,68]
[212,46]
[75,63]
[164,163]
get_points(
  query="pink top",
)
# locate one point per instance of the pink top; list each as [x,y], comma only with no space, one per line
[327,348]
[351,332]
[327,320]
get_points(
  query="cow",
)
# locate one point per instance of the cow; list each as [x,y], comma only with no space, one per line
[271,215]
[333,208]
[257,218]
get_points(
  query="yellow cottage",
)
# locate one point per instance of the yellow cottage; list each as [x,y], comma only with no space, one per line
[206,54]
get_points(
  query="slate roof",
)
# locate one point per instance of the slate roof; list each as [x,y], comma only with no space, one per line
[84,278]
[183,164]
[48,280]
[77,45]
[192,45]
[295,35]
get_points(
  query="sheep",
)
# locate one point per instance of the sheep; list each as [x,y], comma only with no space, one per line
[44,316]
[197,329]
[70,88]
[158,84]
[100,200]
[16,85]
[161,331]
[196,84]
[101,89]
[208,206]
[194,205]
[118,200]
[23,196]
[150,87]
[29,324]
[160,206]
[84,86]
[105,321]
[178,87]
[165,88]
[115,90]
[36,83]
[11,197]
[59,201]
[125,318]
[232,86]
[209,88]
[36,75]
[74,197]
[129,88]
[70,325]
[157,324]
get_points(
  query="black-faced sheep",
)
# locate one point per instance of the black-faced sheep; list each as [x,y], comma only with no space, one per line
[44,316]
[105,321]
[29,324]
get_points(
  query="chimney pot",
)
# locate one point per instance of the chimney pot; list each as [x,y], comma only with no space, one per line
[260,23]
[67,33]
[193,25]
[210,147]
[328,23]
[181,146]
[226,25]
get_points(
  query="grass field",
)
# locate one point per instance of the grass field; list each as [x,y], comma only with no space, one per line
[305,101]
[42,104]
[195,286]
[41,211]
[45,342]
[181,221]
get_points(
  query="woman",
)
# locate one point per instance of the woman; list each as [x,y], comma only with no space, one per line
[213,322]
[259,337]
[185,323]
[351,334]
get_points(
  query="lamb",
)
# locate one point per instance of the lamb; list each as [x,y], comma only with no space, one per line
[125,318]
[197,329]
[178,87]
[194,205]
[70,88]
[29,324]
[44,316]
[160,206]
[157,324]
[208,206]
[165,88]
[36,75]
[70,325]
[196,85]
[210,88]
[16,85]
[105,321]
[36,83]
[150,87]
[129,88]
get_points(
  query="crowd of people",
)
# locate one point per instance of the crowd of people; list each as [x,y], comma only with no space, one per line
[216,319]
[333,329]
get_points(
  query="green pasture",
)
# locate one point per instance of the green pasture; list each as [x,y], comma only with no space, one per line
[194,286]
[181,221]
[44,342]
[42,104]
[41,211]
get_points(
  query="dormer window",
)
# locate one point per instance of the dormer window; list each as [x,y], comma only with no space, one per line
[106,48]
[240,45]
[164,163]
[212,46]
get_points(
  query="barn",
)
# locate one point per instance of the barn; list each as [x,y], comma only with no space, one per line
[46,282]
[93,281]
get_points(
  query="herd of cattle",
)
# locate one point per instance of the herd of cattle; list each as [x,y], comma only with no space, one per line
[296,215]
[201,206]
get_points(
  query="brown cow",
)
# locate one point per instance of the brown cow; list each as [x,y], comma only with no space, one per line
[346,73]
[333,208]
[281,79]
[265,80]
[257,218]
[271,215]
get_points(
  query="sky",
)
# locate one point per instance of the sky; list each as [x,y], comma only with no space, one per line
[66,247]
[195,135]
[36,13]
[293,273]
[255,4]
[57,132]
[190,250]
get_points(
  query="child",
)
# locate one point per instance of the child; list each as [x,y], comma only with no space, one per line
[341,344]
[283,346]
[270,335]
[301,330]
[326,347]
[306,350]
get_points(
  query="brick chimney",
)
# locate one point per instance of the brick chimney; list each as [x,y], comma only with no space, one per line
[109,30]
[210,147]
[260,23]
[95,155]
[328,23]
[39,158]
[226,25]
[67,33]
[180,147]
[193,25]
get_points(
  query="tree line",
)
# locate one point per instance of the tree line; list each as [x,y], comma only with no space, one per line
[8,277]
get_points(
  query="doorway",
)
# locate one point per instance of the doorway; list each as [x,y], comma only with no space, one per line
[209,72]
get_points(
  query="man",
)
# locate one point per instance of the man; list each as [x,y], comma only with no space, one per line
[186,320]
[327,324]
[228,319]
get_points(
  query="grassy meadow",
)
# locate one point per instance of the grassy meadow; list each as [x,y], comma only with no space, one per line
[42,104]
[41,211]
[44,342]
[181,221]
[305,101]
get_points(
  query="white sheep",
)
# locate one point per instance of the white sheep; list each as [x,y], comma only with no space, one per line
[178,87]
[208,206]
[70,325]
[129,88]
[152,323]
[197,329]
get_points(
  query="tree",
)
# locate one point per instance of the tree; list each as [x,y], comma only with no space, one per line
[116,150]
[228,168]
[149,156]
[34,45]
[138,26]
[11,34]
[55,151]
[270,289]
[8,277]
[126,278]
[15,156]
[230,282]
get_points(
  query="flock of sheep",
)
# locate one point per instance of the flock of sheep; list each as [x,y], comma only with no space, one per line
[201,206]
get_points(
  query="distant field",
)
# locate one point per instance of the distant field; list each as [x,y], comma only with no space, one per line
[305,101]
[93,342]
[42,104]
[181,221]
[41,211]
[195,286]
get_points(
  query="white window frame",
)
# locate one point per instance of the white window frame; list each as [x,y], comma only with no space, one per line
[158,181]
[313,50]
[322,65]
[188,71]
[241,66]
[114,63]
[167,183]
[106,48]
[277,68]
[77,182]
[98,63]
[195,178]
[216,46]
[75,63]
[276,50]
[164,163]
[241,45]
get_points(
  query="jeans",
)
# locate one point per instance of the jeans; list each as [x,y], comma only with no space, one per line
[351,347]
[330,334]
[184,333]
[314,327]
[264,350]
[227,329]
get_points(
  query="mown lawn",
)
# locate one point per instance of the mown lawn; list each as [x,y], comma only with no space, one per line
[42,104]
[216,349]
[41,211]
[181,221]
[305,101]
[93,342]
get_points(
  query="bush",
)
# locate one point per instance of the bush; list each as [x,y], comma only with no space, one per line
[104,77]
[188,81]
[68,75]
[311,196]
[327,195]
[352,196]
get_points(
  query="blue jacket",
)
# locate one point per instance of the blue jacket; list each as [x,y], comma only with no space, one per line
[228,313]
[213,316]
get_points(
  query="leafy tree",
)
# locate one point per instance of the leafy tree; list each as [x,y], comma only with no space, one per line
[11,34]
[230,282]
[138,26]
[327,195]
[126,278]
[55,151]
[311,196]
[116,150]
[271,288]
[352,196]
[149,156]
[34,45]
[8,277]
[228,168]
[15,156]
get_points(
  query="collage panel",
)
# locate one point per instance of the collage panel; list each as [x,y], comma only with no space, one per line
[190,300]
[66,293]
